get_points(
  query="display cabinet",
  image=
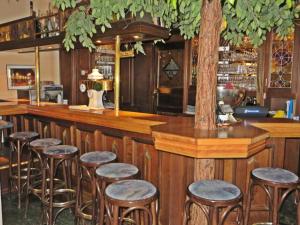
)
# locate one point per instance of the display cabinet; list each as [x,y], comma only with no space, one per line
[281,70]
[104,60]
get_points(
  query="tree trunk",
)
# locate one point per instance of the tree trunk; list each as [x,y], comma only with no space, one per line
[209,37]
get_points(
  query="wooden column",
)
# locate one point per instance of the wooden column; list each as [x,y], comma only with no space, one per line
[209,37]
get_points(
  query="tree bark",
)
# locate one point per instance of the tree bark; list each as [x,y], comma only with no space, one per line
[209,38]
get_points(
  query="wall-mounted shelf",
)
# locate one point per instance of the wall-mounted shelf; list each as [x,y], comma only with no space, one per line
[31,31]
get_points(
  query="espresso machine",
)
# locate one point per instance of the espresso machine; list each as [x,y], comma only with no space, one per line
[52,93]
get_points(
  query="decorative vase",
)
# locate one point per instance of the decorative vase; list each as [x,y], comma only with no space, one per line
[95,99]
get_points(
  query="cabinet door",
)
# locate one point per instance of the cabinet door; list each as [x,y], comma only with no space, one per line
[143,79]
[281,70]
[74,67]
[127,83]
[83,68]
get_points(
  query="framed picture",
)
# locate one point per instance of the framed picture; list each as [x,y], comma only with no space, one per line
[20,77]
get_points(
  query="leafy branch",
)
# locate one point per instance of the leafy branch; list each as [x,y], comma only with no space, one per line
[253,18]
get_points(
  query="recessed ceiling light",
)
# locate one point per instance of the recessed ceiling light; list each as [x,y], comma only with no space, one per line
[136,37]
[98,41]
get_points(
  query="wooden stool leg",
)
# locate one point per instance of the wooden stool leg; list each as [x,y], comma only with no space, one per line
[51,192]
[137,217]
[101,202]
[94,195]
[186,215]
[28,183]
[154,212]
[19,173]
[275,206]
[115,215]
[10,180]
[248,204]
[44,187]
[78,196]
[214,216]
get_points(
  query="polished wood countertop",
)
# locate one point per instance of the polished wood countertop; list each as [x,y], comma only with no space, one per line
[172,134]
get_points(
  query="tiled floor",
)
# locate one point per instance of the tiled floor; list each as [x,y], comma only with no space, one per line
[13,216]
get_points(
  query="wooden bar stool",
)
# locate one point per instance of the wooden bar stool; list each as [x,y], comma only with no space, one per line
[110,173]
[131,197]
[88,163]
[18,141]
[277,183]
[3,126]
[33,184]
[211,196]
[62,198]
[4,161]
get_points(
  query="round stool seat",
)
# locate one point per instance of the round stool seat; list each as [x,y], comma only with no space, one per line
[276,175]
[23,136]
[214,190]
[117,171]
[4,161]
[97,158]
[131,190]
[60,151]
[44,143]
[4,124]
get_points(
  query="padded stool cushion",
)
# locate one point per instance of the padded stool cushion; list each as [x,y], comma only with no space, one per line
[60,150]
[276,175]
[98,157]
[117,170]
[216,190]
[4,124]
[131,190]
[4,161]
[45,142]
[24,136]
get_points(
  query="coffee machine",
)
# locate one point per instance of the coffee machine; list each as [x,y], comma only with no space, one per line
[52,93]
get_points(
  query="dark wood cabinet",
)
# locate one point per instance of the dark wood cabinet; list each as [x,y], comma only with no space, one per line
[143,78]
[137,78]
[74,67]
[275,97]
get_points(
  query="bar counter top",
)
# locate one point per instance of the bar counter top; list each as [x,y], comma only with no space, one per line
[171,134]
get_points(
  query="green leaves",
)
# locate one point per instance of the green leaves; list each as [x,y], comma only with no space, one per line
[138,46]
[63,4]
[257,17]
[253,18]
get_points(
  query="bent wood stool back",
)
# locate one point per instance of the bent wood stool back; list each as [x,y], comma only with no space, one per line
[132,201]
[211,196]
[66,157]
[111,173]
[34,183]
[18,142]
[277,183]
[88,163]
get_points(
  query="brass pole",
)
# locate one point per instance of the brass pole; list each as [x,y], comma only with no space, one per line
[117,76]
[37,74]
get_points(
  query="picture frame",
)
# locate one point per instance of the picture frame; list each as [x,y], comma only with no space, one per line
[20,77]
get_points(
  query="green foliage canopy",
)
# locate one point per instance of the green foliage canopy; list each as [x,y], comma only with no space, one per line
[253,18]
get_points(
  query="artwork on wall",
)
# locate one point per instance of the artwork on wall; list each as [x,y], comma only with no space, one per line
[20,77]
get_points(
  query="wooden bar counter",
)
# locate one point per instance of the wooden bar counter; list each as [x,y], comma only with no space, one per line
[168,151]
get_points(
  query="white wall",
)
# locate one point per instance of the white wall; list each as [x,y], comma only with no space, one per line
[13,9]
[49,64]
